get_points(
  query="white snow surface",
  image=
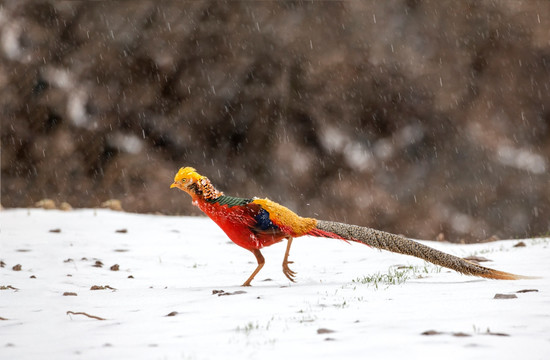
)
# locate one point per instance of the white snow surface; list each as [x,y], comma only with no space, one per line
[177,262]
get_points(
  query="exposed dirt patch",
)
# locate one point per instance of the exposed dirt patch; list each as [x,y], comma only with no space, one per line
[224,293]
[99,287]
[8,287]
[431,332]
[461,334]
[505,296]
[489,332]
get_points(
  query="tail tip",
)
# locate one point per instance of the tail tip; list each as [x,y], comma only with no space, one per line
[501,275]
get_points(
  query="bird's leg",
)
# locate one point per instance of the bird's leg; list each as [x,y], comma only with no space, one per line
[288,273]
[261,262]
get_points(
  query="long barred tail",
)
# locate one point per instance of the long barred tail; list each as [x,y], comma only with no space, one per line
[399,244]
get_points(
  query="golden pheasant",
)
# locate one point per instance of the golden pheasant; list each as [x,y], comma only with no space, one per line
[256,223]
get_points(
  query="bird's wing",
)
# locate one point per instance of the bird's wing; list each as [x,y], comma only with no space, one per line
[261,222]
[274,214]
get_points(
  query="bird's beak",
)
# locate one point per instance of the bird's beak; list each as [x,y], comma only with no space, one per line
[173,185]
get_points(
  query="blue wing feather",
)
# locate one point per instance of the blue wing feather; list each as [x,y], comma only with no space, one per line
[263,222]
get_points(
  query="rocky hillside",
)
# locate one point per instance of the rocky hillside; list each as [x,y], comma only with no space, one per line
[417,117]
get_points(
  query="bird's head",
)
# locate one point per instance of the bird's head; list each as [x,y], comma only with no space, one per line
[193,183]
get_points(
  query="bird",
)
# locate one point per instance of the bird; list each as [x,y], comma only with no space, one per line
[255,223]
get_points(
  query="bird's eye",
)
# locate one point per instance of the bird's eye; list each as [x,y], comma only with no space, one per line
[182,180]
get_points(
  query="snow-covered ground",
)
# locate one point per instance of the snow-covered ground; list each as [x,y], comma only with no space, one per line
[344,304]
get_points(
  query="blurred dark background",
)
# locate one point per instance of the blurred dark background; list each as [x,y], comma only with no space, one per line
[416,117]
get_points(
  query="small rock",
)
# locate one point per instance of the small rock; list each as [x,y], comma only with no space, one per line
[70,294]
[33,277]
[492,238]
[57,230]
[98,264]
[173,313]
[115,267]
[47,204]
[324,331]
[495,333]
[112,204]
[520,244]
[431,332]
[130,276]
[461,334]
[2,264]
[98,287]
[65,206]
[17,267]
[505,296]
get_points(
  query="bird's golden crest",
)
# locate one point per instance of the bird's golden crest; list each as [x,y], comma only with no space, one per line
[187,173]
[188,179]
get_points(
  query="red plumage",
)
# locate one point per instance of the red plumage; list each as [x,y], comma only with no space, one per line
[240,224]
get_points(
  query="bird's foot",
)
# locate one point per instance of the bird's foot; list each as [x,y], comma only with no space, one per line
[288,273]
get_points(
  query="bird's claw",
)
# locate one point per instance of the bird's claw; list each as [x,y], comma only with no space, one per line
[288,273]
